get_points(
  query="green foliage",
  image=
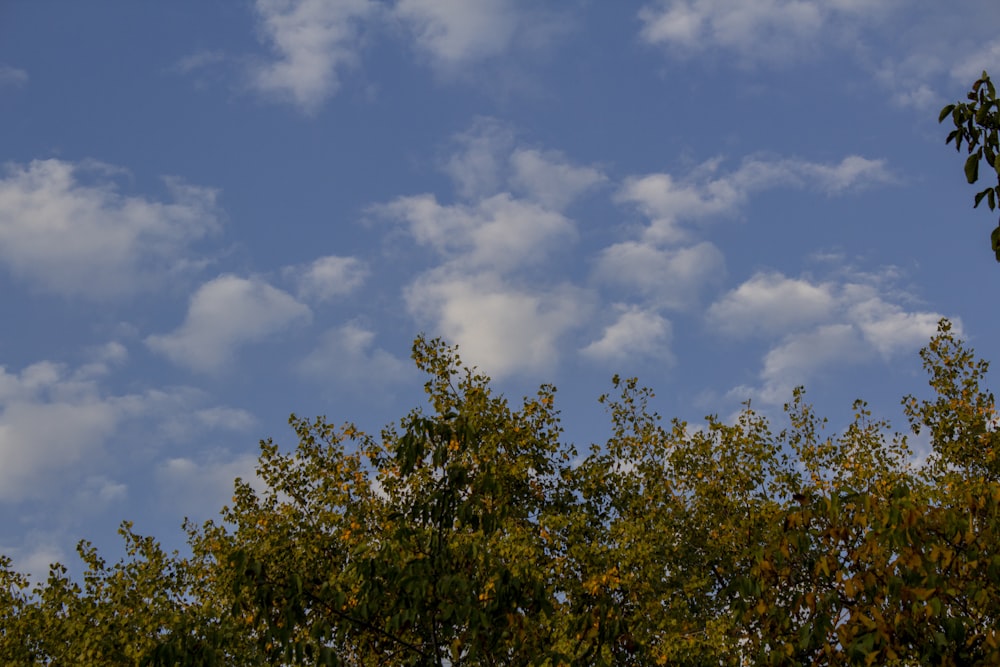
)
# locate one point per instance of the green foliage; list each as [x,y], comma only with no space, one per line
[470,534]
[977,123]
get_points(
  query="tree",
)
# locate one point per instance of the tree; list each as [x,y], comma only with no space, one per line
[470,534]
[977,123]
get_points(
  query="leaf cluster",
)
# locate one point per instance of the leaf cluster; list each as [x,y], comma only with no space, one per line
[977,123]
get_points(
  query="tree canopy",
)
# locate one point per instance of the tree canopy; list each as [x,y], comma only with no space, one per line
[470,533]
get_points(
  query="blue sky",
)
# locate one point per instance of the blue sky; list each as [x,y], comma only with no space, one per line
[215,214]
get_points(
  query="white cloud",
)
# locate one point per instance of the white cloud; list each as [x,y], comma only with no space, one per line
[328,277]
[820,324]
[66,229]
[348,354]
[103,359]
[853,172]
[480,295]
[671,278]
[667,201]
[485,161]
[498,233]
[35,559]
[478,163]
[225,314]
[887,326]
[548,178]
[454,33]
[314,40]
[226,419]
[39,437]
[769,304]
[910,48]
[12,76]
[799,355]
[499,327]
[759,30]
[636,333]
[985,57]
[57,427]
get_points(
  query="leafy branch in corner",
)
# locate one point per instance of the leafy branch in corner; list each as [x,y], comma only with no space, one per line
[976,124]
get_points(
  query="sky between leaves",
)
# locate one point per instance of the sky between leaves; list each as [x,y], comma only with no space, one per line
[215,214]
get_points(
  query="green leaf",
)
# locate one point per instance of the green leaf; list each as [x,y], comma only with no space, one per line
[972,168]
[979,197]
[995,241]
[945,112]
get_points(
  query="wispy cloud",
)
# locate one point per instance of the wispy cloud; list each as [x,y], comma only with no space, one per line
[12,76]
[761,30]
[199,487]
[328,277]
[349,353]
[455,33]
[487,160]
[707,192]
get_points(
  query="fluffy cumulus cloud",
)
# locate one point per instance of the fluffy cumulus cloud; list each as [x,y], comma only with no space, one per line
[348,354]
[501,328]
[66,229]
[490,291]
[225,314]
[50,422]
[754,30]
[769,304]
[328,277]
[456,32]
[818,325]
[636,333]
[888,327]
[58,425]
[499,232]
[313,40]
[671,278]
